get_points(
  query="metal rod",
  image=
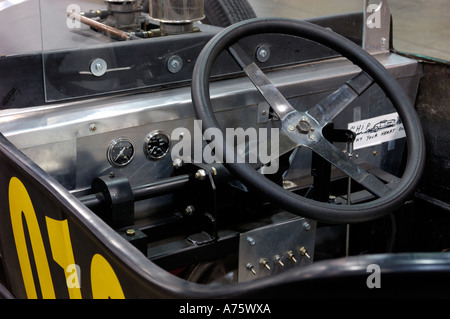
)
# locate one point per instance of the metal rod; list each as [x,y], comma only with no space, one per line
[147,191]
[99,26]
[349,192]
[161,187]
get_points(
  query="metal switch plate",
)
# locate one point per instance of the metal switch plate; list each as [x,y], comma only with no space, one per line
[276,248]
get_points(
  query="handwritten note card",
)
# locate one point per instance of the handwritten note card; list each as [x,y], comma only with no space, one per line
[377,130]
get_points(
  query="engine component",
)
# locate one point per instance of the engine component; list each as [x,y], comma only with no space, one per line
[177,16]
[124,15]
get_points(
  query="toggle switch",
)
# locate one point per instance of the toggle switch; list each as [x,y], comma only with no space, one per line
[304,252]
[291,256]
[263,262]
[251,268]
[278,260]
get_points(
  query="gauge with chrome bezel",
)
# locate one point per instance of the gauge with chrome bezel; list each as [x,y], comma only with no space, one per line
[156,145]
[120,151]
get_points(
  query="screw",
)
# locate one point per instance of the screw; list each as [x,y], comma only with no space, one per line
[312,136]
[175,64]
[306,226]
[92,128]
[291,128]
[98,67]
[263,53]
[189,210]
[251,240]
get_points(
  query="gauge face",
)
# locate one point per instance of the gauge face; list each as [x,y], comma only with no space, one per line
[120,152]
[156,145]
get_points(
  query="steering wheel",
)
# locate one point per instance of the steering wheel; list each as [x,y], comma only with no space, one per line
[305,128]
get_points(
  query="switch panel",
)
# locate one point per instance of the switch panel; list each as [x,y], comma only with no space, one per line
[275,248]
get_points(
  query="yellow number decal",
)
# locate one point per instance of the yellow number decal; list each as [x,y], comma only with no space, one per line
[20,203]
[104,281]
[61,246]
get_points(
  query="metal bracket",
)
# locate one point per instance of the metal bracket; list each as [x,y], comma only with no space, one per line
[117,208]
[376,26]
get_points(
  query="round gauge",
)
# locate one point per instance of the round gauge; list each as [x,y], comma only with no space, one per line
[120,152]
[156,145]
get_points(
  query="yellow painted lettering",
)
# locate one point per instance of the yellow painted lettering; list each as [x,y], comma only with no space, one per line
[20,204]
[104,281]
[61,245]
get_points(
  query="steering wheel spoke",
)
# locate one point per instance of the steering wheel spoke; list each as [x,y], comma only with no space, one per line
[328,108]
[268,90]
[340,160]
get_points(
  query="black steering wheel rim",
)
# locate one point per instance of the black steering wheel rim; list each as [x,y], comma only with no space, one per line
[283,198]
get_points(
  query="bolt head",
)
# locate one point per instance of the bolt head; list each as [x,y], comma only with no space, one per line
[189,210]
[200,174]
[304,127]
[130,232]
[98,67]
[177,163]
[306,226]
[263,53]
[175,64]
